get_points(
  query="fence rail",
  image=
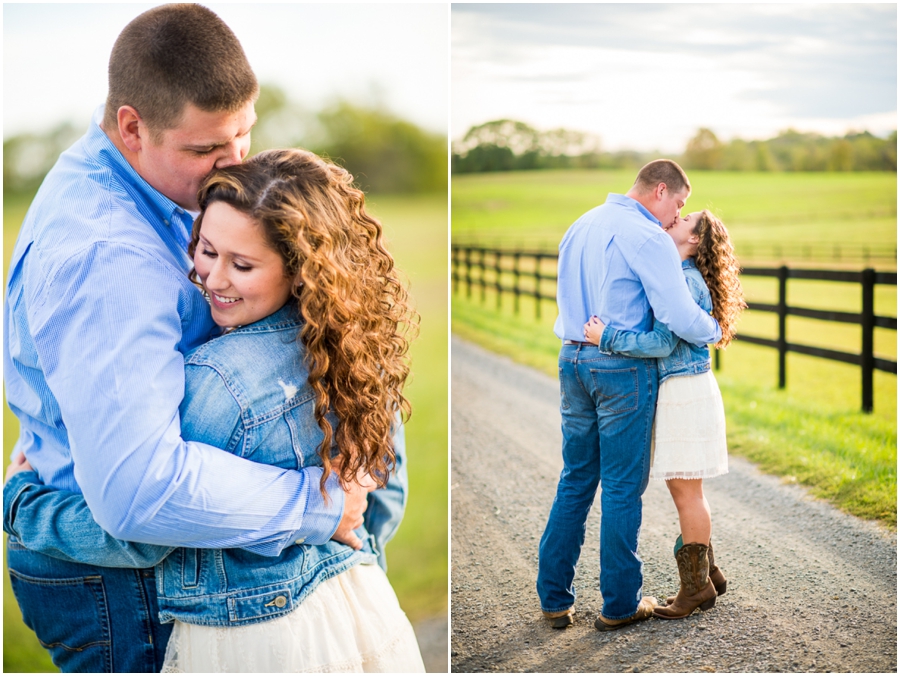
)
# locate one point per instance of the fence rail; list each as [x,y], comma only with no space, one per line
[508,269]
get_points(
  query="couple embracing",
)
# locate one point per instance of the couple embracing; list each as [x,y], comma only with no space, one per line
[206,356]
[641,292]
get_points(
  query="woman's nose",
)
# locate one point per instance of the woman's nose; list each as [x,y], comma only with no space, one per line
[216,280]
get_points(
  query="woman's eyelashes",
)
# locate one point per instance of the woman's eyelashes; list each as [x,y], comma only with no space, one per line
[237,266]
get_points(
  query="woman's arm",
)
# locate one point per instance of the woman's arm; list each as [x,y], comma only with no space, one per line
[387,505]
[67,530]
[660,342]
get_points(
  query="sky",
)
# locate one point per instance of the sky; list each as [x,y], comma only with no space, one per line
[647,76]
[55,56]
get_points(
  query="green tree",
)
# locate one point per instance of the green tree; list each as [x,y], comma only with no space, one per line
[704,151]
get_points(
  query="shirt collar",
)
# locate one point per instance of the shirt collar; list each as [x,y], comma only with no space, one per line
[628,202]
[101,147]
[688,263]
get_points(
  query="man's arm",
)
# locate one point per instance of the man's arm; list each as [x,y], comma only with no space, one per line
[107,329]
[657,266]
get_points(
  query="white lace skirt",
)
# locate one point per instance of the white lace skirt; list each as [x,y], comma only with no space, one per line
[351,623]
[689,429]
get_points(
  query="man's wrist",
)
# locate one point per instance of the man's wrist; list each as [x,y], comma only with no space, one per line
[322,515]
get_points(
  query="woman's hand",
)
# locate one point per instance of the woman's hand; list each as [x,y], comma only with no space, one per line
[355,502]
[19,464]
[593,330]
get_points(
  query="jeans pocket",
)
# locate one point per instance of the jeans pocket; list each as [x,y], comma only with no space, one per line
[616,390]
[563,399]
[49,607]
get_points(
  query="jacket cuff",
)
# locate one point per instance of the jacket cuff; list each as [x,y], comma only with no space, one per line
[606,339]
[12,489]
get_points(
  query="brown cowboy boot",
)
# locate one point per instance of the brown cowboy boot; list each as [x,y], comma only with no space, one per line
[716,576]
[696,589]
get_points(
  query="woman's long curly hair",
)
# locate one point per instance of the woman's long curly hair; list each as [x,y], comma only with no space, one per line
[721,271]
[356,312]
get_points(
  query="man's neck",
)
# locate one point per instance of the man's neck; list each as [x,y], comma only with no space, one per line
[641,198]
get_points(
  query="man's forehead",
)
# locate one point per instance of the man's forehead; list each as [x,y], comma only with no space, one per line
[200,127]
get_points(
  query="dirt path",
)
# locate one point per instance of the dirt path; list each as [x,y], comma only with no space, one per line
[809,588]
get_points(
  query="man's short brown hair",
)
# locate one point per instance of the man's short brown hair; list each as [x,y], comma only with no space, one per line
[173,55]
[662,171]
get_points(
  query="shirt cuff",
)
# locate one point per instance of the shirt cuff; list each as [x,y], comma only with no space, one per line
[12,489]
[322,517]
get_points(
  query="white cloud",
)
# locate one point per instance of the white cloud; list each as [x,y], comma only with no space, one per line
[647,76]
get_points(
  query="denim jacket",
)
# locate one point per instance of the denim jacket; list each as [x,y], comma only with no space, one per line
[677,357]
[245,392]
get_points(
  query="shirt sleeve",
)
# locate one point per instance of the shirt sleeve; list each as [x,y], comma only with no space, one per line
[657,266]
[107,329]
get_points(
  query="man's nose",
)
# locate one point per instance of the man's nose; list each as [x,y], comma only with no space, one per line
[232,154]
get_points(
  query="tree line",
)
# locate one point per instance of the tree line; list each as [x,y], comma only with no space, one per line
[509,145]
[385,153]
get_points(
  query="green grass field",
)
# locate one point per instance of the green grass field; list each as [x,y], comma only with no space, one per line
[416,230]
[812,432]
[535,208]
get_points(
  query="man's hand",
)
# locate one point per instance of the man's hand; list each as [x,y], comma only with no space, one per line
[19,464]
[355,504]
[593,330]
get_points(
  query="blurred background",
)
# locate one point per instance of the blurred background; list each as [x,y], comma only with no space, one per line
[785,118]
[366,85]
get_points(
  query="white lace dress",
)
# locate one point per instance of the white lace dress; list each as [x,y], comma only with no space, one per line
[689,429]
[351,623]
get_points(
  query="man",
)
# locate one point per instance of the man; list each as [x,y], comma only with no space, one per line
[616,262]
[99,314]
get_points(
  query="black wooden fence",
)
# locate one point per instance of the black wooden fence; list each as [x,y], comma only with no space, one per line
[525,273]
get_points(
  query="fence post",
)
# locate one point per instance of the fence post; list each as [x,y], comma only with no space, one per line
[516,257]
[454,264]
[782,326]
[481,277]
[537,286]
[497,255]
[468,272]
[868,339]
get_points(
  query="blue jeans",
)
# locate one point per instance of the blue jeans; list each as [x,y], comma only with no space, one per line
[607,406]
[89,618]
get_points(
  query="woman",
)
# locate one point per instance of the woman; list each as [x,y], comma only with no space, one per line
[689,428]
[310,371]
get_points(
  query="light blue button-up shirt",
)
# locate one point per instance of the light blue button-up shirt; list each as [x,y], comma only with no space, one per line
[99,314]
[618,263]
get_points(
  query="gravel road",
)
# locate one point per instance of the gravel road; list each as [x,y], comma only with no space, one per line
[809,588]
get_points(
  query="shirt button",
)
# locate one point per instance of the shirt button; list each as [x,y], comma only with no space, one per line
[166,221]
[301,541]
[281,602]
